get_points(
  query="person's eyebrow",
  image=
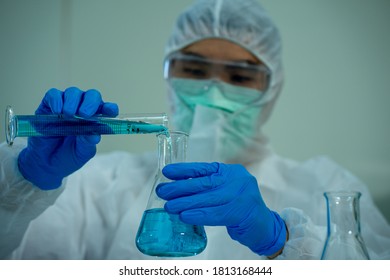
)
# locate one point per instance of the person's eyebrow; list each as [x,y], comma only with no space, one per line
[193,54]
[240,61]
[247,61]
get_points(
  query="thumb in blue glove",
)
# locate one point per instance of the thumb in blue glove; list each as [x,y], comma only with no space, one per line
[217,194]
[47,160]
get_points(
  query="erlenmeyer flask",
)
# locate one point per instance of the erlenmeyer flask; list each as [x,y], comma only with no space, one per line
[344,241]
[162,234]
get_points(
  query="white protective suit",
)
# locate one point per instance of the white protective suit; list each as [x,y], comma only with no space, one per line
[95,214]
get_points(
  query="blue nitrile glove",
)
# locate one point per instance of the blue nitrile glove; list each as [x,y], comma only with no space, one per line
[47,160]
[218,194]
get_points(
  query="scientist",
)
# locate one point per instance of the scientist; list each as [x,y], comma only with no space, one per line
[224,73]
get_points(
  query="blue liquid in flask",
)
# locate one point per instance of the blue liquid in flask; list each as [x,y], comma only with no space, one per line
[164,235]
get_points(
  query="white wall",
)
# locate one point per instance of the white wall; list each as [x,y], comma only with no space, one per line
[336,95]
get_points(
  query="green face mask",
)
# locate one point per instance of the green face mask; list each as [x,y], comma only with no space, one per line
[226,115]
[209,93]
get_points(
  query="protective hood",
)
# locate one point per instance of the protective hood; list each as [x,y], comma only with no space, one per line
[243,22]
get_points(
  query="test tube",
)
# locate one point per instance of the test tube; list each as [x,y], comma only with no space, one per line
[61,125]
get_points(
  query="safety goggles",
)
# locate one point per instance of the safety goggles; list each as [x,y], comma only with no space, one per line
[244,74]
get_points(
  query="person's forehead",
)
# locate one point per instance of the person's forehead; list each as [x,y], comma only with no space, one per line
[220,49]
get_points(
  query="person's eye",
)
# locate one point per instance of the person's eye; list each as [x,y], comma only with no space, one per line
[241,79]
[194,72]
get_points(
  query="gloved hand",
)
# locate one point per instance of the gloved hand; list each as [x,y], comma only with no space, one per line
[47,160]
[218,194]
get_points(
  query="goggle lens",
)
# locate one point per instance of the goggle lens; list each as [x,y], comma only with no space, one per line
[236,73]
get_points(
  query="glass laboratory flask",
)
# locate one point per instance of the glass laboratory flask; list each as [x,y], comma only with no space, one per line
[344,241]
[162,234]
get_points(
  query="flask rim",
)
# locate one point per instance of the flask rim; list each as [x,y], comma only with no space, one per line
[342,193]
[172,132]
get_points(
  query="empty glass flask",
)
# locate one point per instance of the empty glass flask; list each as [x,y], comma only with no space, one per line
[344,240]
[162,234]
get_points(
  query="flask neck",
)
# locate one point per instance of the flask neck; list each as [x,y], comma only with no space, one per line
[343,213]
[172,148]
